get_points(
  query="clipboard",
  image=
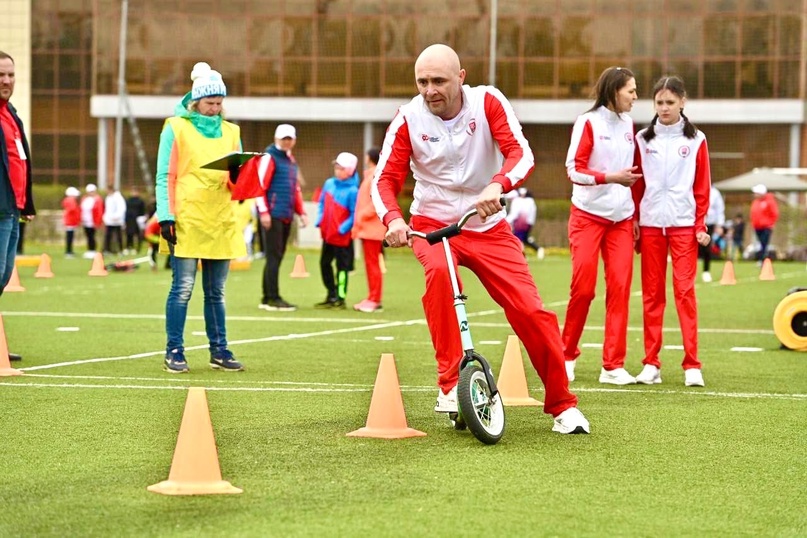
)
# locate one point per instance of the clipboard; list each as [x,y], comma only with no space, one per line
[234,158]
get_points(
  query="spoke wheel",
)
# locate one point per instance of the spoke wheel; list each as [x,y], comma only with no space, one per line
[483,414]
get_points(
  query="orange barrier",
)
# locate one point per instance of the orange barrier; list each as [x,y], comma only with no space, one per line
[44,269]
[512,382]
[14,282]
[299,268]
[98,268]
[5,365]
[728,278]
[767,270]
[195,468]
[387,419]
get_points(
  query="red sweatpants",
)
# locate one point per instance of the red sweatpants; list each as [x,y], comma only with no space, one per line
[588,236]
[495,257]
[683,248]
[371,250]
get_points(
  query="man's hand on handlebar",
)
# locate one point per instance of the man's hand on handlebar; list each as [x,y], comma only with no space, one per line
[489,201]
[396,235]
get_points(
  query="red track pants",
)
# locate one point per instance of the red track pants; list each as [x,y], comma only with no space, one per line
[495,257]
[371,249]
[588,236]
[683,248]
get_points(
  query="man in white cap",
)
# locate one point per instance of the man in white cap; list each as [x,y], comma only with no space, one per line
[764,215]
[92,214]
[276,209]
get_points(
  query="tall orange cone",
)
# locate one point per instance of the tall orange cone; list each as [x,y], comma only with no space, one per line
[512,382]
[195,468]
[382,264]
[98,268]
[299,268]
[386,419]
[728,278]
[14,282]
[767,270]
[5,365]
[44,270]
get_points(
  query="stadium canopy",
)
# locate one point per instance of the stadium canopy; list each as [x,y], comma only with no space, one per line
[773,180]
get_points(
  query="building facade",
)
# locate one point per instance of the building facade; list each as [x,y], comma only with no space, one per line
[338,69]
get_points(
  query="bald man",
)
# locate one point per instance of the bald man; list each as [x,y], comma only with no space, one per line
[465,148]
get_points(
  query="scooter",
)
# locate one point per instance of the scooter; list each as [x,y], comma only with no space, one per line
[480,407]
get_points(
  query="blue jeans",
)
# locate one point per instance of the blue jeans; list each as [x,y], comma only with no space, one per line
[214,275]
[9,235]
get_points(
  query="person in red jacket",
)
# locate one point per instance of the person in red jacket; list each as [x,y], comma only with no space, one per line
[92,217]
[371,232]
[764,215]
[71,218]
[672,199]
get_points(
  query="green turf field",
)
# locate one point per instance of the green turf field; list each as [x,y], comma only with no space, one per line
[94,420]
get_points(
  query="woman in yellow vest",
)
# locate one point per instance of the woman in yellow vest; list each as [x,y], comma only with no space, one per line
[196,218]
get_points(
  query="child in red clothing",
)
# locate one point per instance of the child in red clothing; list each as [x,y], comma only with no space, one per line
[71,218]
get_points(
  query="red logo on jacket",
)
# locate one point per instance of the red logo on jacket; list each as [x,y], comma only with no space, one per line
[471,128]
[683,151]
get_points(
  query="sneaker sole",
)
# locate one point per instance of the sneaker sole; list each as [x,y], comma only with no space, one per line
[577,430]
[653,382]
[445,410]
[217,367]
[616,382]
[170,371]
[694,384]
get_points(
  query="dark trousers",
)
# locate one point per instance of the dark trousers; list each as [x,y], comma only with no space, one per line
[764,237]
[134,236]
[275,239]
[336,284]
[90,234]
[705,252]
[113,232]
[69,235]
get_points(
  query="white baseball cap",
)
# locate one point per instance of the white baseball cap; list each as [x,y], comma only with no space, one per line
[759,189]
[90,187]
[72,191]
[284,130]
[348,161]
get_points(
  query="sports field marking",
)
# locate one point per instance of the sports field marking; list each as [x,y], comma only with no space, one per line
[345,387]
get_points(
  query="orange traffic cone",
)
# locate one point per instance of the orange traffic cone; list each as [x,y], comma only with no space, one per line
[728,278]
[14,282]
[382,264]
[512,382]
[195,468]
[5,365]
[386,419]
[44,270]
[767,270]
[299,268]
[98,268]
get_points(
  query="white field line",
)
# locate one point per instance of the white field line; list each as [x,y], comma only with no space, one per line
[340,387]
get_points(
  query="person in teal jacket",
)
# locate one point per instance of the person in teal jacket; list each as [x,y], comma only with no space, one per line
[337,208]
[194,209]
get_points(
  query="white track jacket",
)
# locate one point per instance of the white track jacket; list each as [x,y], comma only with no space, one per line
[451,165]
[602,142]
[676,178]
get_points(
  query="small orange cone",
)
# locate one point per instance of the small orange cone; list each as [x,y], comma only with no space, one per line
[98,268]
[299,268]
[728,278]
[195,468]
[5,365]
[382,264]
[386,419]
[512,381]
[14,282]
[44,270]
[767,270]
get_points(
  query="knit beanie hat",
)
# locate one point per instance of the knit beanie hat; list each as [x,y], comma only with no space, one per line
[206,82]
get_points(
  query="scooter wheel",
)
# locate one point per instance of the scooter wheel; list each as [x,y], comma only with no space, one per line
[483,413]
[790,321]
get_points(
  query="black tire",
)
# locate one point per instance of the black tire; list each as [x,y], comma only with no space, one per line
[483,415]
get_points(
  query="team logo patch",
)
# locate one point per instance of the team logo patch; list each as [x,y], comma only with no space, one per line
[629,138]
[427,138]
[683,151]
[471,128]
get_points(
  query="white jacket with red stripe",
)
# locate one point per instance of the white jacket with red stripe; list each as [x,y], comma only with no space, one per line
[676,178]
[451,165]
[602,142]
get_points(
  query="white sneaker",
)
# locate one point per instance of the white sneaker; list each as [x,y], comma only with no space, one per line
[649,375]
[541,254]
[706,276]
[619,376]
[571,421]
[570,370]
[446,403]
[693,378]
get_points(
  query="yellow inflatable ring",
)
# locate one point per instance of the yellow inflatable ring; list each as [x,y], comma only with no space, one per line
[790,320]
